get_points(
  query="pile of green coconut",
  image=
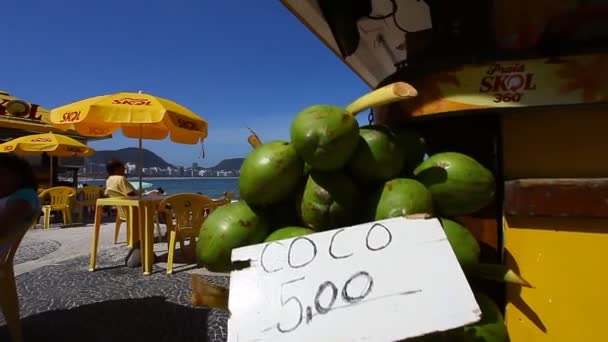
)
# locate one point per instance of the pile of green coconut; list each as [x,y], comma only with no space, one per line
[335,174]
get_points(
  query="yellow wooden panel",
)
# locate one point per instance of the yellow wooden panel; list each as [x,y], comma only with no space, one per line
[564,259]
[570,141]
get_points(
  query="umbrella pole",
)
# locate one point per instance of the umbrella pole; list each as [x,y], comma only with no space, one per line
[51,177]
[140,156]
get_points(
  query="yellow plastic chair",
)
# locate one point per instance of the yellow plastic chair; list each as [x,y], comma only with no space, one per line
[225,199]
[60,198]
[87,197]
[184,214]
[9,300]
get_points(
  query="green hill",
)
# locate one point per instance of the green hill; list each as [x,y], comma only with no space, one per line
[151,159]
[228,164]
[129,155]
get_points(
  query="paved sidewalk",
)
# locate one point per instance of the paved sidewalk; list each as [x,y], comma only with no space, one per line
[62,301]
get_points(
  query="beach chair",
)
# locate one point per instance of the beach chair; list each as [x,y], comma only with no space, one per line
[218,202]
[59,199]
[87,197]
[225,199]
[9,300]
[184,214]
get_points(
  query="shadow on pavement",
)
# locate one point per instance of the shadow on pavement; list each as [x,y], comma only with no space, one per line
[144,319]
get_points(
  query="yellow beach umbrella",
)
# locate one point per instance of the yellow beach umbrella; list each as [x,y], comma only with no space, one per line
[54,145]
[139,115]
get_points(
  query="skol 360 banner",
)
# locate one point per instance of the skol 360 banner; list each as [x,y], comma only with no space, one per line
[536,82]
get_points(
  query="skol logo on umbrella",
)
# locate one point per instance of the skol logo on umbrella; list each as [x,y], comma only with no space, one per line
[132,101]
[70,116]
[185,124]
[41,140]
[74,149]
[97,131]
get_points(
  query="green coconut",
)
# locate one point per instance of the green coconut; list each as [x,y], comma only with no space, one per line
[230,226]
[288,233]
[414,147]
[326,136]
[460,185]
[307,169]
[282,214]
[270,173]
[400,197]
[491,327]
[378,156]
[465,246]
[329,200]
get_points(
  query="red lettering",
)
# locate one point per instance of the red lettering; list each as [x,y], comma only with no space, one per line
[492,69]
[499,83]
[96,131]
[132,102]
[507,83]
[2,107]
[514,82]
[32,114]
[70,116]
[530,85]
[486,84]
[185,124]
[507,97]
[74,149]
[497,68]
[41,140]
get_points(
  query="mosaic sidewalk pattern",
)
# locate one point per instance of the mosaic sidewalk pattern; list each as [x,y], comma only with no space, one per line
[34,249]
[66,302]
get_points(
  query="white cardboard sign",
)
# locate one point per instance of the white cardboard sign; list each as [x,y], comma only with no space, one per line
[380,281]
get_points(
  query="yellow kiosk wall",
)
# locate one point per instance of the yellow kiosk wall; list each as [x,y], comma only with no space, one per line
[562,257]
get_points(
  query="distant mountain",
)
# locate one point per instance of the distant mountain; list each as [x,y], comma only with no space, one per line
[228,164]
[129,155]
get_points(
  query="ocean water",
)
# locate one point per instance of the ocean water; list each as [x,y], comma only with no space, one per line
[212,187]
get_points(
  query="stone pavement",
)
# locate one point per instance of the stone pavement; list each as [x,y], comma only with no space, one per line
[62,301]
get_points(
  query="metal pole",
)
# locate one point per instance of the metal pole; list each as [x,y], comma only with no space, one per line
[140,160]
[51,179]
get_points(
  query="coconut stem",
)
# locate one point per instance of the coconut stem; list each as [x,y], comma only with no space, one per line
[393,92]
[253,139]
[498,272]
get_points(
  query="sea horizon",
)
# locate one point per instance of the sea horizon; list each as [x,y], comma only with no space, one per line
[213,187]
[80,179]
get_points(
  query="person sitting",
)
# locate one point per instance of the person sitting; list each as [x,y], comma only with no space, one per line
[117,185]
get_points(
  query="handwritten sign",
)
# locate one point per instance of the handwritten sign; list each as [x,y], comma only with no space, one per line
[380,281]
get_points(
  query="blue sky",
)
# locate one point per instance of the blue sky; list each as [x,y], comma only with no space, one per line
[235,63]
